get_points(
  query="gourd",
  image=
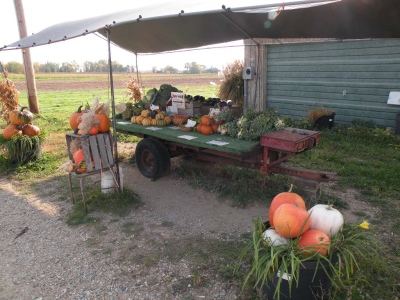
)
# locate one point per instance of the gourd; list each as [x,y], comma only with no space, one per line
[20,117]
[283,198]
[30,130]
[314,241]
[154,122]
[139,119]
[206,129]
[75,118]
[326,219]
[168,120]
[145,113]
[290,220]
[133,120]
[273,238]
[160,116]
[146,122]
[104,122]
[10,131]
[161,123]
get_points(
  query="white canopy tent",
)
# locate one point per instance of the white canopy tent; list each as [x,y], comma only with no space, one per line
[188,24]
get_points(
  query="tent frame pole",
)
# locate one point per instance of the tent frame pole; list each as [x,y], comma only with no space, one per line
[113,119]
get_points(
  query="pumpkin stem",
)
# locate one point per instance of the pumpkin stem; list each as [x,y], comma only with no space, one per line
[291,188]
[329,206]
[79,109]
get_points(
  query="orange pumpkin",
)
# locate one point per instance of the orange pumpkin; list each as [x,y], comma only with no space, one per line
[206,129]
[198,127]
[10,131]
[290,220]
[78,156]
[314,241]
[75,118]
[20,117]
[94,130]
[214,128]
[282,198]
[206,120]
[30,130]
[104,122]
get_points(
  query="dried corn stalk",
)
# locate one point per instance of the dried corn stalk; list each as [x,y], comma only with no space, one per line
[9,95]
[88,121]
[75,145]
[136,92]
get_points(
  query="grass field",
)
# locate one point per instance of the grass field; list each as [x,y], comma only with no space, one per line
[366,160]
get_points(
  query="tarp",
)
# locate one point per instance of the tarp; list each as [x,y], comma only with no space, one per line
[189,24]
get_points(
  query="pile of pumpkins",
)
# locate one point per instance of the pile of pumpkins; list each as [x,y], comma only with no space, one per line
[20,123]
[102,126]
[208,125]
[311,229]
[152,118]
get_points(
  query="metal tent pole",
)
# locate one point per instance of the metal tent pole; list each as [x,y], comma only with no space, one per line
[113,119]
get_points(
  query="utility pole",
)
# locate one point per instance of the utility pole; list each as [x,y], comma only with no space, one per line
[26,55]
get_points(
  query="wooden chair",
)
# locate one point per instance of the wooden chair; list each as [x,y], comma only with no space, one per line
[98,157]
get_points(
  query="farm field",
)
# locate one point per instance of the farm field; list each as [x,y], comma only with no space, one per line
[179,237]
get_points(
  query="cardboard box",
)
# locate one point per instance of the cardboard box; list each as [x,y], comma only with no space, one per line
[189,111]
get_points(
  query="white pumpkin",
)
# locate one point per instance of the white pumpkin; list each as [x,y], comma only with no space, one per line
[326,219]
[273,238]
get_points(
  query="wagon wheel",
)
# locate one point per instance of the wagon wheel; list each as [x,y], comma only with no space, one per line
[164,153]
[150,159]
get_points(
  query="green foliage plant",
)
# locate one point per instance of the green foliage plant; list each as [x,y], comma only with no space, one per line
[351,246]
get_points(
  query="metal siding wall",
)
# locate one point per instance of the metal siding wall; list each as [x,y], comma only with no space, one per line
[302,76]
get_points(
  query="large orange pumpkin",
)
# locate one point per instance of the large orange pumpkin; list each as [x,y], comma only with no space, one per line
[206,120]
[75,118]
[30,130]
[290,220]
[198,127]
[206,129]
[314,241]
[10,131]
[104,122]
[283,198]
[20,117]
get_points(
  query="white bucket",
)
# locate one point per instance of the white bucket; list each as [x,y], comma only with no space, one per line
[107,181]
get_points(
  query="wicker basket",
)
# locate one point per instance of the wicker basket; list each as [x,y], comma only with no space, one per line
[179,121]
[183,128]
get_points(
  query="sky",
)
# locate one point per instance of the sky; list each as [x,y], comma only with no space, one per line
[40,14]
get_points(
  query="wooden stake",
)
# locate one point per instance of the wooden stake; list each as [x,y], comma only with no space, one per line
[26,55]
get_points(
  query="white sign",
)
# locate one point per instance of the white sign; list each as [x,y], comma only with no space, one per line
[178,99]
[394,98]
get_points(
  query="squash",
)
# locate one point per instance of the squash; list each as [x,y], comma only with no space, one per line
[326,219]
[154,122]
[20,117]
[291,220]
[10,131]
[146,122]
[133,120]
[78,157]
[104,122]
[168,120]
[161,123]
[214,128]
[145,113]
[273,238]
[160,116]
[30,130]
[282,198]
[198,127]
[75,118]
[314,241]
[139,119]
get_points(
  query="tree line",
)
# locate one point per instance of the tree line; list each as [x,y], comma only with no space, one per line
[100,67]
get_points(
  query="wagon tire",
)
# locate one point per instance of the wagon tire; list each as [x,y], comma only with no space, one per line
[165,155]
[150,159]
